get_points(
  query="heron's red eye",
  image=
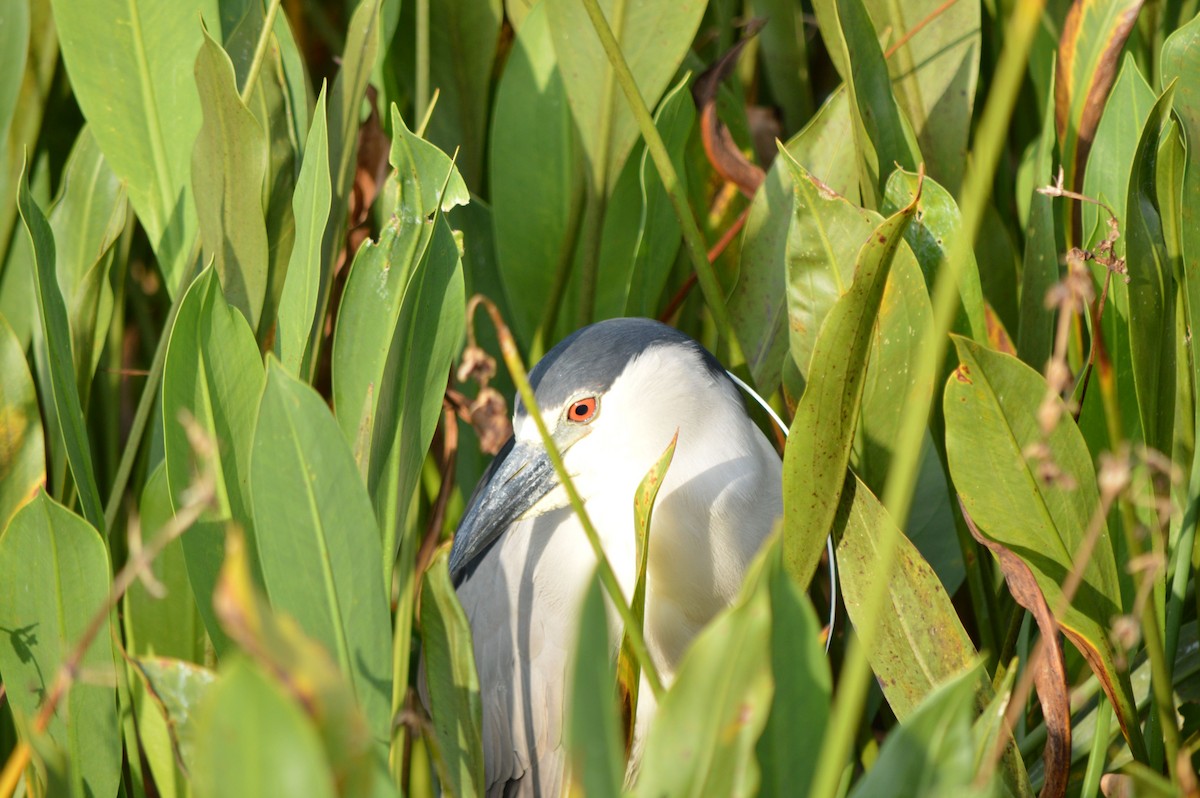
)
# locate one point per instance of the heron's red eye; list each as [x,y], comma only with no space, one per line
[582,411]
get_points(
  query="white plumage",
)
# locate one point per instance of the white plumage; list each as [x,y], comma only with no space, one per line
[521,582]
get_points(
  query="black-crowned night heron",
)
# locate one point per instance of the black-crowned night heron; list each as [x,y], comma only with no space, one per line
[612,394]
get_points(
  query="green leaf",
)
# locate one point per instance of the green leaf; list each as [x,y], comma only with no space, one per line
[428,334]
[131,72]
[57,335]
[1151,289]
[931,237]
[919,641]
[252,739]
[87,219]
[791,742]
[277,644]
[454,703]
[593,726]
[702,741]
[822,432]
[54,576]
[463,39]
[992,403]
[317,538]
[930,754]
[785,60]
[934,75]
[654,36]
[169,625]
[22,449]
[345,104]
[643,509]
[1092,38]
[640,237]
[534,153]
[167,696]
[757,305]
[14,45]
[1043,242]
[212,374]
[310,204]
[883,136]
[229,165]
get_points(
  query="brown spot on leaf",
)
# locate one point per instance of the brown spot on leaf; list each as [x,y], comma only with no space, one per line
[963,374]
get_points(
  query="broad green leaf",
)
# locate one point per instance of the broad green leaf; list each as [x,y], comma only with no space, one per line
[87,219]
[345,104]
[214,376]
[317,538]
[277,644]
[785,59]
[822,432]
[533,153]
[883,136]
[931,753]
[454,703]
[593,726]
[131,72]
[229,165]
[643,511]
[791,742]
[1112,157]
[931,236]
[1113,148]
[280,104]
[702,741]
[919,641]
[310,204]
[168,625]
[934,74]
[167,695]
[640,237]
[54,576]
[252,739]
[22,448]
[378,284]
[1043,242]
[14,45]
[654,36]
[34,78]
[427,335]
[992,403]
[463,39]
[757,305]
[57,334]
[1093,34]
[1151,289]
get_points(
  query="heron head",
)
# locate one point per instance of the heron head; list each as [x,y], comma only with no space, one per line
[612,395]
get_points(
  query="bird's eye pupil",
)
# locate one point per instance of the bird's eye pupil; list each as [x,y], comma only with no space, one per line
[583,410]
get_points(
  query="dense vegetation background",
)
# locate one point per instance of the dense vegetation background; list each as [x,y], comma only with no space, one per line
[242,397]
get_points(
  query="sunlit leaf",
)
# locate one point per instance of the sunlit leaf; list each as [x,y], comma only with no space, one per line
[452,682]
[22,450]
[317,537]
[992,403]
[54,576]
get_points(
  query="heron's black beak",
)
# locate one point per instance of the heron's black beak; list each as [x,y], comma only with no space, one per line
[519,476]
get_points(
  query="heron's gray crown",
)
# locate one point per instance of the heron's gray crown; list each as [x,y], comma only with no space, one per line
[591,359]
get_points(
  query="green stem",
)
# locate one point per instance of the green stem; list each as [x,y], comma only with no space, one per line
[608,576]
[260,50]
[1095,765]
[693,241]
[897,497]
[421,101]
